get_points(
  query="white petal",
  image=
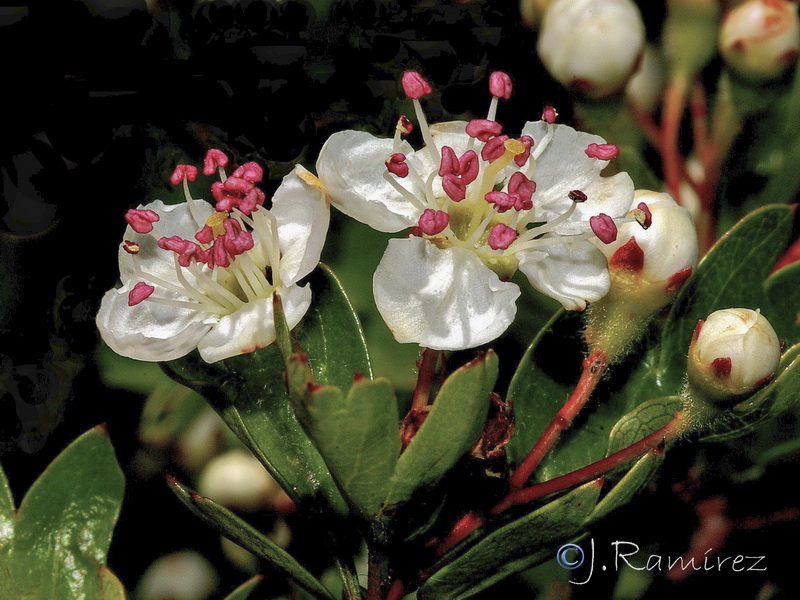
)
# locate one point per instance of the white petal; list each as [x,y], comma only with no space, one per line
[300,205]
[175,220]
[150,331]
[351,165]
[441,299]
[573,273]
[252,326]
[564,166]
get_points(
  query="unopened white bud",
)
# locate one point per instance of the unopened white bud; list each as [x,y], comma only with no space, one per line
[645,87]
[661,249]
[183,575]
[591,46]
[759,39]
[201,440]
[733,352]
[237,480]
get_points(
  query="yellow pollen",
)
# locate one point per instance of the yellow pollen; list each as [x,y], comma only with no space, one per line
[215,221]
[514,146]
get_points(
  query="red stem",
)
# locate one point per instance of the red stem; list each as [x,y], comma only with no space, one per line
[427,366]
[649,127]
[397,591]
[698,108]
[674,105]
[593,368]
[668,432]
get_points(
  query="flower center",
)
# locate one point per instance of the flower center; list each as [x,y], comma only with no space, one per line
[484,199]
[234,257]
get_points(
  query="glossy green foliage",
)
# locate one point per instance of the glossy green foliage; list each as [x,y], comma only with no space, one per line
[54,545]
[243,591]
[451,428]
[513,547]
[249,538]
[250,393]
[357,434]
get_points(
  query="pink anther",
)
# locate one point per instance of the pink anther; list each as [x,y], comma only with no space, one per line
[214,159]
[404,125]
[454,187]
[237,184]
[185,249]
[250,171]
[414,86]
[494,148]
[519,185]
[604,228]
[141,221]
[501,200]
[236,240]
[549,115]
[433,222]
[502,236]
[483,129]
[500,85]
[141,291]
[252,200]
[182,172]
[521,158]
[602,151]
[647,220]
[577,196]
[130,247]
[449,164]
[468,166]
[396,164]
[205,235]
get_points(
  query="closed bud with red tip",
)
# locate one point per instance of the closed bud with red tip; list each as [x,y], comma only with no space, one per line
[733,353]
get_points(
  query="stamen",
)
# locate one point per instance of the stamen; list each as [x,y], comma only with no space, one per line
[141,221]
[469,166]
[414,86]
[544,143]
[522,187]
[549,115]
[511,149]
[131,247]
[404,126]
[250,171]
[643,215]
[396,164]
[483,129]
[182,173]
[502,201]
[522,158]
[212,289]
[185,249]
[500,85]
[481,229]
[603,227]
[549,226]
[433,222]
[402,190]
[449,164]
[577,196]
[494,148]
[602,151]
[214,160]
[501,237]
[454,187]
[141,291]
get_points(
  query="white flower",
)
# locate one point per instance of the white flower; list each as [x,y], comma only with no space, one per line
[591,46]
[733,352]
[759,39]
[198,277]
[483,205]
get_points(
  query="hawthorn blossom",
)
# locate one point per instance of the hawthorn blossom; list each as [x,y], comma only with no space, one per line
[197,275]
[482,205]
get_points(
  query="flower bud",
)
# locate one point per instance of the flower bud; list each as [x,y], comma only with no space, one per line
[183,575]
[664,253]
[238,481]
[651,257]
[645,87]
[733,352]
[759,39]
[591,46]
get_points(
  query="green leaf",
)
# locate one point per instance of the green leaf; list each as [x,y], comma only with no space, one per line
[642,421]
[245,535]
[108,586]
[359,438]
[250,394]
[634,480]
[537,389]
[513,547]
[452,427]
[63,527]
[783,303]
[243,591]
